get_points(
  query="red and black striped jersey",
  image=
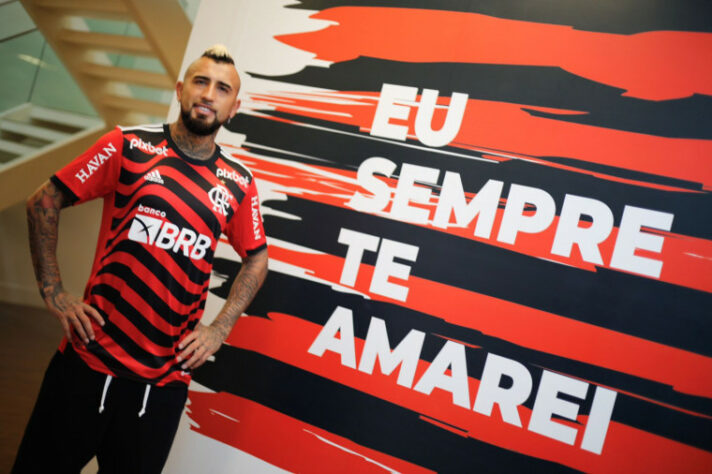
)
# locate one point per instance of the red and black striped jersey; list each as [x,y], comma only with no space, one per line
[163,215]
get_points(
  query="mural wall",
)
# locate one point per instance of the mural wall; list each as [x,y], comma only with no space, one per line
[490,234]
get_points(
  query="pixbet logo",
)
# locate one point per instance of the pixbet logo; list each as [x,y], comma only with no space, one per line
[233,175]
[148,147]
[165,235]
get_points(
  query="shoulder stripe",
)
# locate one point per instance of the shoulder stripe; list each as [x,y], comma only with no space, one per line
[235,161]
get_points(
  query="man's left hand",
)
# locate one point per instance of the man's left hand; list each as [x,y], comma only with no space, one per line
[200,344]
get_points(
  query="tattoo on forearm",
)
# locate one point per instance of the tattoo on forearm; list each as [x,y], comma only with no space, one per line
[43,220]
[243,290]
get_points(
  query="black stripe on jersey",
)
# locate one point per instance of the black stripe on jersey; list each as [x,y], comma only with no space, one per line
[176,218]
[68,193]
[137,156]
[195,177]
[236,164]
[194,274]
[109,360]
[159,271]
[152,134]
[120,369]
[129,178]
[236,191]
[139,355]
[125,273]
[194,203]
[256,250]
[141,254]
[139,320]
[122,200]
[231,185]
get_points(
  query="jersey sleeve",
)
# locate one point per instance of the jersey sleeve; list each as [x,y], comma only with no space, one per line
[95,172]
[245,231]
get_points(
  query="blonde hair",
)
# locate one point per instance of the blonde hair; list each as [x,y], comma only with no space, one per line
[218,53]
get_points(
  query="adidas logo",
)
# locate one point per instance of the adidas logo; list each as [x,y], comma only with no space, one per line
[154,176]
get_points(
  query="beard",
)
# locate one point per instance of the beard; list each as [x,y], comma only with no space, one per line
[199,127]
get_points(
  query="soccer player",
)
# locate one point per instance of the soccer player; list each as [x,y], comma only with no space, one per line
[117,386]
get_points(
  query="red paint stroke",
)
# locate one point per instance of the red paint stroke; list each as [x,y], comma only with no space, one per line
[490,125]
[284,441]
[654,65]
[528,327]
[687,261]
[627,449]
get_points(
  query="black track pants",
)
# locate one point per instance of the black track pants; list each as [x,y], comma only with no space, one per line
[66,428]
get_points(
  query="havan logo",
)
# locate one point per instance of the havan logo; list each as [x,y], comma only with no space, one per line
[255,202]
[97,160]
[165,235]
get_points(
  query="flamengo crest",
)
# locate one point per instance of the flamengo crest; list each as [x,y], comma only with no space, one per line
[220,197]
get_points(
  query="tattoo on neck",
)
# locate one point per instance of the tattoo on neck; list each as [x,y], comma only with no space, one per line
[200,148]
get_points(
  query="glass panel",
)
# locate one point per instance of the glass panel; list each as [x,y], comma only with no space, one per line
[113,27]
[55,88]
[14,20]
[19,60]
[149,93]
[30,71]
[140,62]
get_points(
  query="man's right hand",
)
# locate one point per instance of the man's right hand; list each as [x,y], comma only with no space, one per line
[43,208]
[73,313]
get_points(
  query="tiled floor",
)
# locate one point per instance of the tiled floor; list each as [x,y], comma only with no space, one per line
[28,338]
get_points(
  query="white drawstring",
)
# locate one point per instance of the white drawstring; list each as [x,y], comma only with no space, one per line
[145,400]
[103,393]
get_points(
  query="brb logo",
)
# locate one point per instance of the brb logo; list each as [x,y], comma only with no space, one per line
[155,231]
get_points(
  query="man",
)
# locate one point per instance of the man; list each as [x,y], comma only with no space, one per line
[118,384]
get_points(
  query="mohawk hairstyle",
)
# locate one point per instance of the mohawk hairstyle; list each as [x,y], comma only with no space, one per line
[219,54]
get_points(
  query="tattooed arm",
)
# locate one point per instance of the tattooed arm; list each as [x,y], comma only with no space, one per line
[43,221]
[204,341]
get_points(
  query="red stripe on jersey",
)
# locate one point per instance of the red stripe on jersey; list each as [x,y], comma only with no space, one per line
[156,285]
[170,267]
[128,328]
[118,352]
[186,211]
[90,359]
[138,166]
[143,307]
